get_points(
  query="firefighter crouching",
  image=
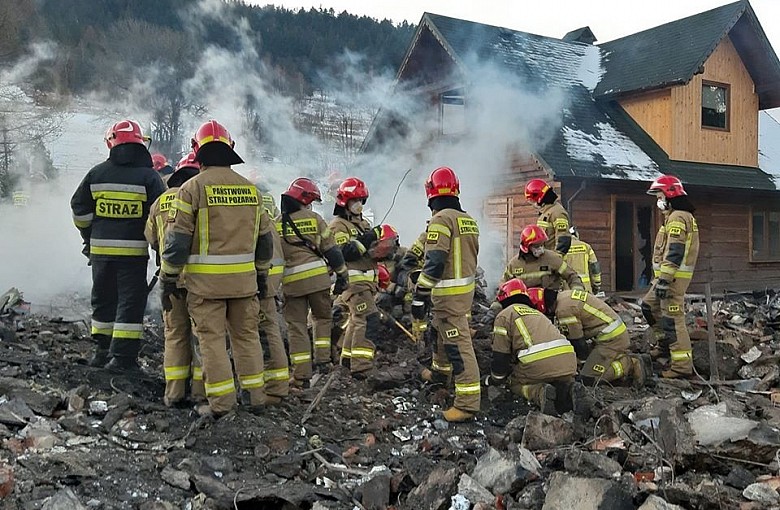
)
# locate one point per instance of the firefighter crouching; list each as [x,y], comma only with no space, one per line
[110,208]
[674,258]
[307,243]
[220,235]
[553,218]
[181,357]
[277,370]
[446,286]
[582,259]
[581,316]
[544,361]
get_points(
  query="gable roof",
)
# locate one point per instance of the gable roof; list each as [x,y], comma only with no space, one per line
[672,53]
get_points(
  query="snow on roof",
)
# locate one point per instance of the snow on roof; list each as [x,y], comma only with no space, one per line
[611,149]
[769,145]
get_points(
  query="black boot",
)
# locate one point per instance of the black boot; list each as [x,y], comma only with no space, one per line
[100,354]
[123,364]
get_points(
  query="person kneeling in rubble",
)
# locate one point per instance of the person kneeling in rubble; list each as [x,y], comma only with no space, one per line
[544,361]
[581,316]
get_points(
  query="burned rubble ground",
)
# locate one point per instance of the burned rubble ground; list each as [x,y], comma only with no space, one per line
[77,437]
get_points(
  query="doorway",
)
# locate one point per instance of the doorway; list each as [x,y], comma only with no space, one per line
[633,245]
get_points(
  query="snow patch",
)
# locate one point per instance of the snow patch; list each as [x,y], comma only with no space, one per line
[591,70]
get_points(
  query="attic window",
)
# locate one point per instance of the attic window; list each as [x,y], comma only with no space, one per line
[453,112]
[715,105]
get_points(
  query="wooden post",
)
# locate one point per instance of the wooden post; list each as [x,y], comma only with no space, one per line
[714,375]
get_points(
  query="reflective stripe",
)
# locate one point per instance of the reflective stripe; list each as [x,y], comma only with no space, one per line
[128,331]
[278,374]
[681,355]
[363,352]
[361,276]
[613,330]
[203,231]
[220,388]
[500,331]
[125,247]
[84,220]
[543,224]
[304,271]
[181,205]
[346,353]
[564,267]
[322,343]
[300,357]
[275,270]
[197,374]
[521,327]
[118,191]
[467,389]
[617,367]
[102,328]
[545,350]
[453,286]
[532,274]
[441,368]
[435,227]
[221,259]
[456,259]
[220,264]
[165,267]
[426,281]
[568,320]
[251,381]
[177,373]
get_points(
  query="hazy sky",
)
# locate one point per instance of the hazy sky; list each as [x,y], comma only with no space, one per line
[609,19]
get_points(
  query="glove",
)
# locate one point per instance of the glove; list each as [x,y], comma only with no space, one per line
[169,288]
[342,282]
[489,317]
[421,302]
[85,252]
[580,348]
[337,314]
[369,237]
[262,284]
[662,289]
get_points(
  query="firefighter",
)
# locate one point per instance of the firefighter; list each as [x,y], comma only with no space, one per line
[582,259]
[544,361]
[539,267]
[277,368]
[553,218]
[181,357]
[161,166]
[220,236]
[581,316]
[674,258]
[446,286]
[110,208]
[354,235]
[307,243]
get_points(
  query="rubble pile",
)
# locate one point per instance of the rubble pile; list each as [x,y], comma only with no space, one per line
[76,437]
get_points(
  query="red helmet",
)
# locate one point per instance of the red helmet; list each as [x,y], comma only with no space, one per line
[669,185]
[187,161]
[351,188]
[531,235]
[535,190]
[442,183]
[211,131]
[537,298]
[387,242]
[304,191]
[124,131]
[159,161]
[511,288]
[384,276]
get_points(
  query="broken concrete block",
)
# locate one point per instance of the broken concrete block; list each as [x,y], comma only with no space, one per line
[656,503]
[663,420]
[64,499]
[762,493]
[435,492]
[712,425]
[473,491]
[567,492]
[376,491]
[543,432]
[15,413]
[176,478]
[505,472]
[591,464]
[739,478]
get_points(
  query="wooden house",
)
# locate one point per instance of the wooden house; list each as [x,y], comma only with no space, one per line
[684,98]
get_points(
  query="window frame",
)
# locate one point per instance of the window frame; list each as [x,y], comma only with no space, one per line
[765,232]
[727,88]
[452,93]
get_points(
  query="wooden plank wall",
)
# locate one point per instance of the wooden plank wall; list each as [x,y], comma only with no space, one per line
[738,145]
[653,112]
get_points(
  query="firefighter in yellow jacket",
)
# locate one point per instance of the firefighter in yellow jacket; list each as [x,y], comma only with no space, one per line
[307,243]
[181,357]
[553,218]
[544,361]
[582,259]
[277,368]
[447,284]
[581,316]
[674,258]
[220,236]
[539,267]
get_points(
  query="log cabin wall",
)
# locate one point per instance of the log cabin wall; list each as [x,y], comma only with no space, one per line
[653,112]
